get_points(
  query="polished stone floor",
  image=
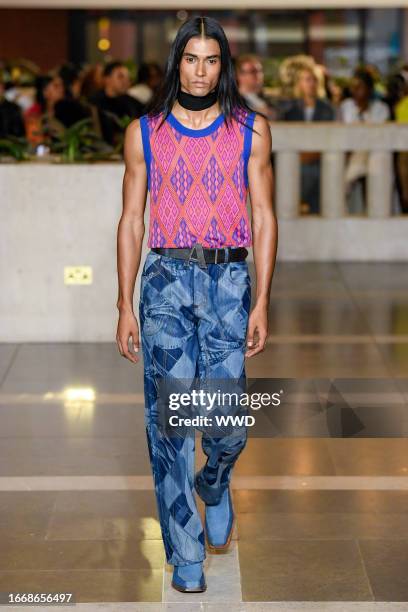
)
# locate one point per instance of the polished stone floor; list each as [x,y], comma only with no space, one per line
[321,521]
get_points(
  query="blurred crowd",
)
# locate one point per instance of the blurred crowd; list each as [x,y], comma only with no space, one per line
[106,95]
[310,93]
[103,94]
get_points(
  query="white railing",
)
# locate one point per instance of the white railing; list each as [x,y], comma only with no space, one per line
[334,140]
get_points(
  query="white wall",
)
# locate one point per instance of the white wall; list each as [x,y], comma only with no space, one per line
[55,216]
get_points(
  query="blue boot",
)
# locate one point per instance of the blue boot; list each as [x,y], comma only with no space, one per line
[208,487]
[189,578]
[219,523]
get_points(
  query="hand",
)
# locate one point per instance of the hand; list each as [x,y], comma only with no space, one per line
[128,328]
[257,324]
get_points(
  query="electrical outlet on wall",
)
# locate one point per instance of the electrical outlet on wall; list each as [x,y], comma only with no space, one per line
[78,275]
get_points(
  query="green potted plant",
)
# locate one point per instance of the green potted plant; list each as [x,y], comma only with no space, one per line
[13,148]
[78,143]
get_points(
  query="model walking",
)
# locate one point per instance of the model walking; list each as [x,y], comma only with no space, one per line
[198,151]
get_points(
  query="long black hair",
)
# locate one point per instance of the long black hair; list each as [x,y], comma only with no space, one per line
[41,83]
[230,100]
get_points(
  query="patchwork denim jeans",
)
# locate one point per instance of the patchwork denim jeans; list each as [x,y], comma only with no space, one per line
[193,324]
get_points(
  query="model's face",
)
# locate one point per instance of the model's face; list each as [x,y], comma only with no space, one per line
[307,84]
[250,77]
[200,66]
[118,81]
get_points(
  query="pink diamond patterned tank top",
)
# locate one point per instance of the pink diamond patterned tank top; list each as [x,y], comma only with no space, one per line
[198,181]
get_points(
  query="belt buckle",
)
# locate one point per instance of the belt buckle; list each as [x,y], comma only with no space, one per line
[216,254]
[190,256]
[199,255]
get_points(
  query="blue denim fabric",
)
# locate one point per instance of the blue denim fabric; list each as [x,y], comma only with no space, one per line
[193,323]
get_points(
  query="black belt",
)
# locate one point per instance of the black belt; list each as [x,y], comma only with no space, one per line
[202,254]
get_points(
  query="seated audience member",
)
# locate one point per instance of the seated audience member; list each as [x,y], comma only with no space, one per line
[71,108]
[149,78]
[114,103]
[41,115]
[11,119]
[307,106]
[91,81]
[49,90]
[335,94]
[20,88]
[362,106]
[250,79]
[401,116]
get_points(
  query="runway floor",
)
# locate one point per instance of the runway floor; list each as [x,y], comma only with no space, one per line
[321,521]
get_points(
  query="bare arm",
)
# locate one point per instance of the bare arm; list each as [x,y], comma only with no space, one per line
[130,237]
[264,231]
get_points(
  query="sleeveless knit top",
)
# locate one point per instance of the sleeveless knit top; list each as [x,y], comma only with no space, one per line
[198,182]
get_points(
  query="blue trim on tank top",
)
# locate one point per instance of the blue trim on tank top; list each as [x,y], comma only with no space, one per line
[191,132]
[146,146]
[247,144]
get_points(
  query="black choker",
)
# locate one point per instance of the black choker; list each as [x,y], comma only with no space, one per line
[197,102]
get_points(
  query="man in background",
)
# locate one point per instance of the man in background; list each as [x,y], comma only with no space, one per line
[250,79]
[114,103]
[149,78]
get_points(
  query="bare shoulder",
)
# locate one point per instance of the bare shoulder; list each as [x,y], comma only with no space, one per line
[261,137]
[133,129]
[133,147]
[261,124]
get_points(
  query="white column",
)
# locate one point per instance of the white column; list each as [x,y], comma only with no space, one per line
[287,184]
[379,184]
[332,196]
